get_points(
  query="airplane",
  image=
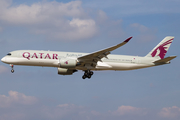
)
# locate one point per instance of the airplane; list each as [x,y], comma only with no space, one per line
[69,62]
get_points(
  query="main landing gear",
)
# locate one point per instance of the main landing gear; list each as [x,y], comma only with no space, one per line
[87,74]
[12,66]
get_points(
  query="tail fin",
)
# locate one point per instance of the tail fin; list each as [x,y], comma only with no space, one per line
[161,49]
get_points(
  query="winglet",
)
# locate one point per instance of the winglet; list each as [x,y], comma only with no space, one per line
[127,40]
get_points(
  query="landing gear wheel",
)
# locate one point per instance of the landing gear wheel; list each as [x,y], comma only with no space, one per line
[91,73]
[87,74]
[83,77]
[12,71]
[12,66]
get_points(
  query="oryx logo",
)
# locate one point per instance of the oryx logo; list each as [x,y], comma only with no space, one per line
[162,49]
[66,62]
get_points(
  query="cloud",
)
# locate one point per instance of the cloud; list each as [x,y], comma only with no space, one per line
[76,29]
[60,21]
[67,21]
[5,3]
[16,98]
[40,12]
[101,16]
[110,28]
[71,111]
[3,69]
[129,110]
[64,111]
[137,7]
[143,33]
[20,106]
[139,27]
[170,112]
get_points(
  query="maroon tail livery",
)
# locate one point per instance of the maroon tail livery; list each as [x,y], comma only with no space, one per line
[161,49]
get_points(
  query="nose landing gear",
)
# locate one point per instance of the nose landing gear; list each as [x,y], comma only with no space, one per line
[12,66]
[87,74]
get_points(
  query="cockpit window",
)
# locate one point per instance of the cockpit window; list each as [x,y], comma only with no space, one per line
[9,54]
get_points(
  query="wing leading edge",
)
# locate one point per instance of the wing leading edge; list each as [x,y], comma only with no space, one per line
[98,55]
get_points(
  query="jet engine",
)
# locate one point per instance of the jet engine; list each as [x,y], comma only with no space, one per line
[68,63]
[64,71]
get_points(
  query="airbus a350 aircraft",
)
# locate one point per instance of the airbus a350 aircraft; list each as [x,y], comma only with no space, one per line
[70,62]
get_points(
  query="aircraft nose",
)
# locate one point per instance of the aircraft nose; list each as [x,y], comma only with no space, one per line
[3,59]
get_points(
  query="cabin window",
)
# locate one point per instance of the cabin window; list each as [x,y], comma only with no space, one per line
[9,54]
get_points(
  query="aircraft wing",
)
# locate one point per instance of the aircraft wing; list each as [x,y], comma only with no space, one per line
[98,55]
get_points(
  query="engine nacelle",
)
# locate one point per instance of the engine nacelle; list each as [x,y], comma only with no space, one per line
[64,71]
[67,63]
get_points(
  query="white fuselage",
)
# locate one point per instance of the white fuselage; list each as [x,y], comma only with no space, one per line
[69,62]
[52,58]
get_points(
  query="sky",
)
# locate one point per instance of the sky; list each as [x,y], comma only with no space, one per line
[39,93]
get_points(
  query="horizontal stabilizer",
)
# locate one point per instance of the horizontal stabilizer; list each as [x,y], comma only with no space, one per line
[165,60]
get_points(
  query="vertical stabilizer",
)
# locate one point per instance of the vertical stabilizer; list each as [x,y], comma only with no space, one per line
[161,49]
